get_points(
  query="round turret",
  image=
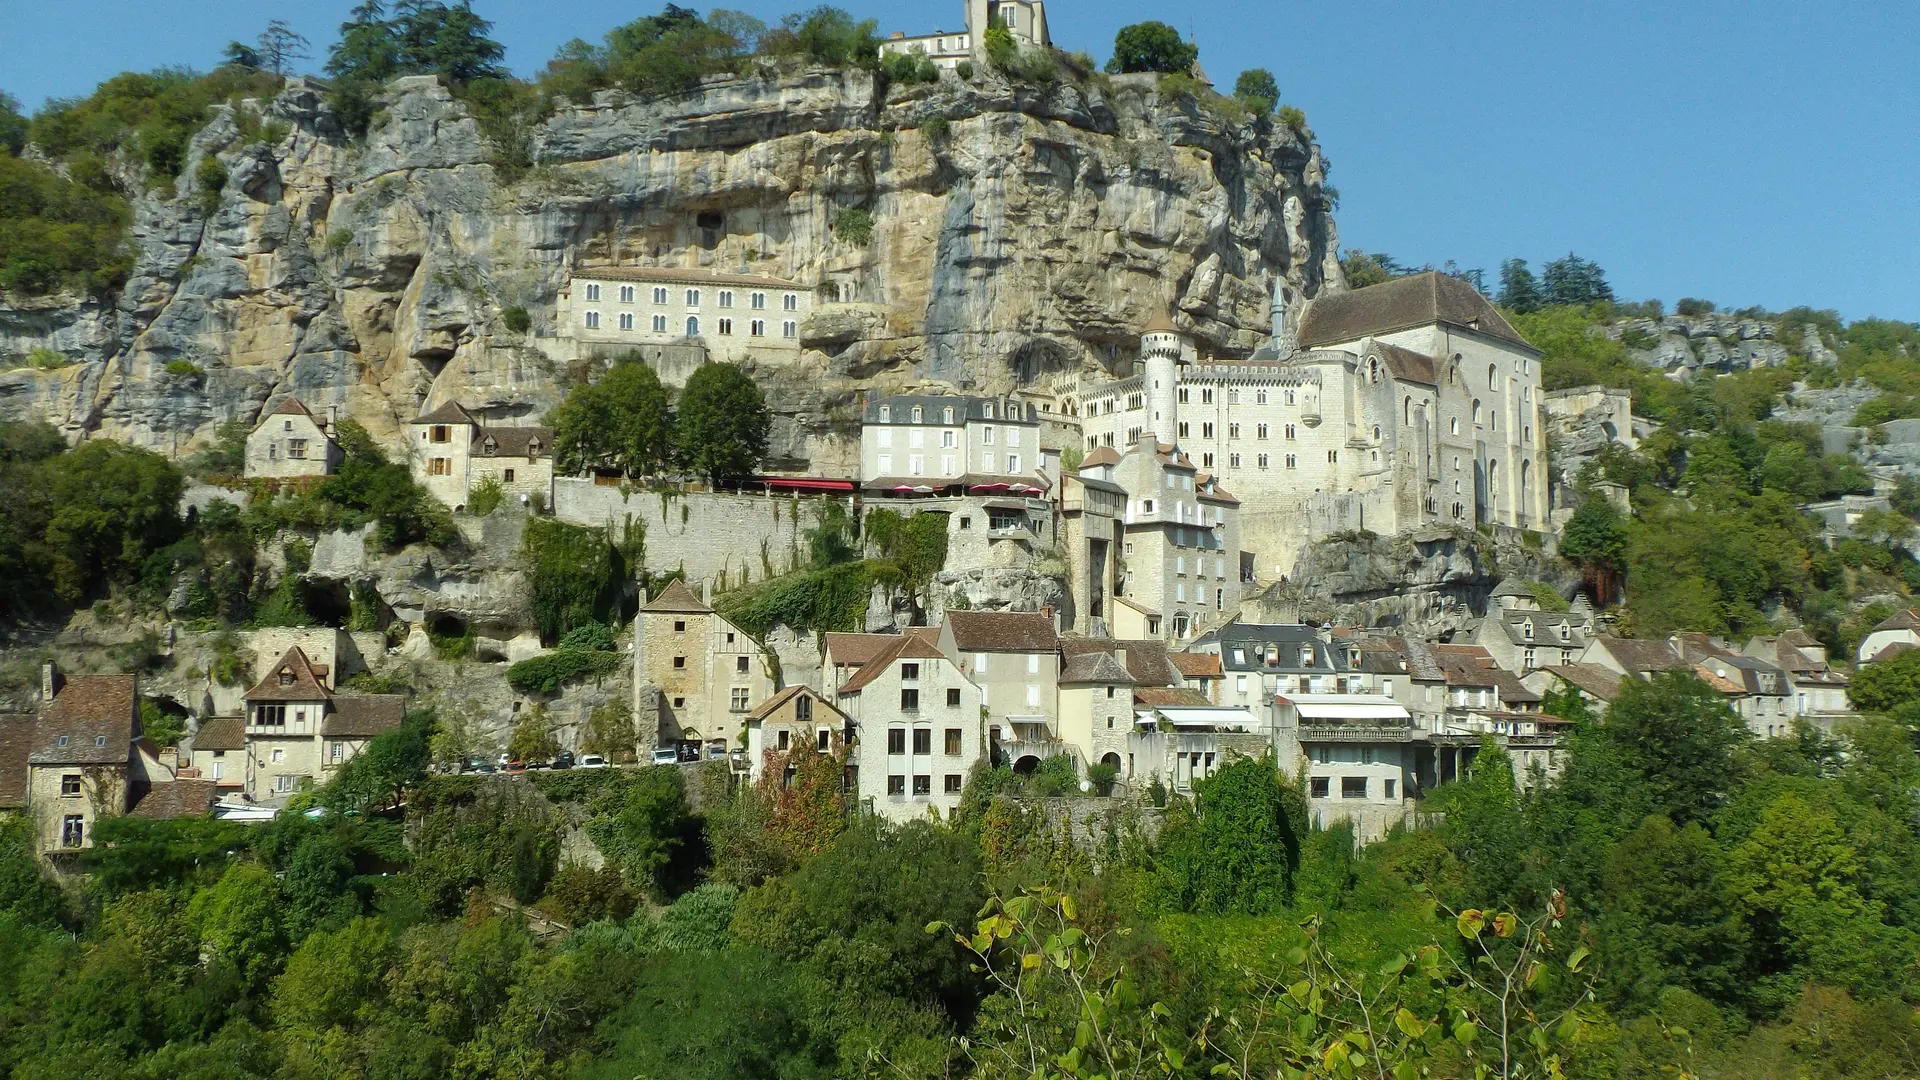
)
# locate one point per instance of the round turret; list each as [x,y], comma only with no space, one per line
[1162,349]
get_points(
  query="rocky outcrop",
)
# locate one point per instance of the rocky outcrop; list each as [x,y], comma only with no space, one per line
[1017,231]
[1431,583]
[1711,342]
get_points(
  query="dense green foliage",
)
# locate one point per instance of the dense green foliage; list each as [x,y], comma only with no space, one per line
[1257,90]
[367,488]
[546,674]
[578,577]
[723,423]
[622,422]
[1151,46]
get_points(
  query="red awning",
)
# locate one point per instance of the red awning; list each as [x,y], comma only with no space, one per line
[804,483]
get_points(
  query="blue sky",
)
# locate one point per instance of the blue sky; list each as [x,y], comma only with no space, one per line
[1749,153]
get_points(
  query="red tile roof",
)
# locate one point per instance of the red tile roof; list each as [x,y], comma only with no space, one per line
[180,798]
[852,650]
[1196,665]
[1003,631]
[91,722]
[362,716]
[678,598]
[293,678]
[221,733]
[905,647]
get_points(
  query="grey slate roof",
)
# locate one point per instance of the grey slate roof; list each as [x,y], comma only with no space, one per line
[1250,640]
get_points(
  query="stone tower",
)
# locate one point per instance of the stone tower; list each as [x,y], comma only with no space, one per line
[1162,351]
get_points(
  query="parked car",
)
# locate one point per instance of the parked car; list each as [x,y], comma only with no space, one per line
[541,765]
[513,768]
[690,751]
[592,761]
[665,755]
[563,760]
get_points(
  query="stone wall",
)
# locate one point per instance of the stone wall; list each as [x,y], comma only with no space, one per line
[711,535]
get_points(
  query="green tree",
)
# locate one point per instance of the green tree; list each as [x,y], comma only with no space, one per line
[239,922]
[1257,90]
[392,761]
[1519,290]
[13,125]
[1676,736]
[334,978]
[1670,919]
[735,1015]
[112,505]
[1151,46]
[1887,685]
[723,423]
[642,824]
[1574,281]
[622,422]
[279,47]
[1236,849]
[1595,539]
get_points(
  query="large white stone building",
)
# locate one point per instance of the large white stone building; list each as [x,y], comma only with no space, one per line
[678,318]
[933,443]
[1404,404]
[1025,20]
[1180,566]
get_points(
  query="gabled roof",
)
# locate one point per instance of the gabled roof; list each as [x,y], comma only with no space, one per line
[1105,455]
[1890,651]
[1591,678]
[677,598]
[362,716]
[779,701]
[513,441]
[1641,656]
[292,678]
[905,647]
[16,743]
[1402,304]
[1725,686]
[852,650]
[1196,665]
[1095,667]
[1145,660]
[91,722]
[449,412]
[292,406]
[1906,619]
[1406,364]
[1136,605]
[221,733]
[1003,631]
[172,799]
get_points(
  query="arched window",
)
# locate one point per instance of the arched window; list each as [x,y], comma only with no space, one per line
[1476,410]
[1406,411]
[1453,425]
[1493,376]
[693,326]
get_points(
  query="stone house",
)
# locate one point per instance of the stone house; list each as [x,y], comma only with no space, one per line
[948,443]
[1637,659]
[1259,660]
[450,453]
[918,728]
[843,655]
[798,718]
[218,753]
[298,730]
[1761,694]
[681,317]
[1014,659]
[709,672]
[1521,635]
[1819,691]
[1090,513]
[1096,709]
[1360,754]
[1898,631]
[86,759]
[1180,564]
[1025,20]
[290,441]
[1598,686]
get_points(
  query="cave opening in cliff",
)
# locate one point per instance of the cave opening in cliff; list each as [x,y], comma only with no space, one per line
[328,602]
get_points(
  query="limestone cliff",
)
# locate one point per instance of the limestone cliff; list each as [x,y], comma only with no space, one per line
[1017,231]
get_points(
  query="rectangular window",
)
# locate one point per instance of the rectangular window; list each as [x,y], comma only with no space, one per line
[679,663]
[1353,787]
[886,464]
[823,740]
[923,740]
[910,700]
[1013,436]
[948,439]
[896,740]
[986,435]
[740,702]
[1389,788]
[442,433]
[1013,463]
[953,742]
[896,785]
[297,448]
[593,320]
[953,697]
[909,672]
[73,830]
[780,740]
[741,664]
[979,662]
[507,476]
[954,780]
[923,785]
[1317,787]
[283,783]
[336,751]
[270,715]
[70,784]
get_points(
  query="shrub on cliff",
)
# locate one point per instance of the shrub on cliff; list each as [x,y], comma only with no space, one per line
[1151,46]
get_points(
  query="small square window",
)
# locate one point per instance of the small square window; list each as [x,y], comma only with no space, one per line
[740,664]
[954,780]
[953,697]
[70,784]
[923,785]
[896,785]
[1317,787]
[679,626]
[679,663]
[679,703]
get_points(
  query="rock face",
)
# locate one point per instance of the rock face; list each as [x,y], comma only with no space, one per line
[1432,583]
[1017,231]
[1683,344]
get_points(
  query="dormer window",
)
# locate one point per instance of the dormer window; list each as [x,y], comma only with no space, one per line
[1566,632]
[60,740]
[918,414]
[946,415]
[489,447]
[286,677]
[886,414]
[1306,656]
[987,410]
[1526,629]
[1273,656]
[533,447]
[99,740]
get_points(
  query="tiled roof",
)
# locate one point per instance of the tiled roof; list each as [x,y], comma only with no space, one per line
[513,441]
[1003,631]
[1095,667]
[905,647]
[1196,665]
[1105,455]
[684,276]
[305,684]
[221,733]
[1406,364]
[1464,672]
[852,650]
[449,412]
[1402,304]
[778,701]
[1725,686]
[1890,651]
[1147,661]
[94,715]
[168,800]
[1510,688]
[1421,663]
[290,406]
[362,716]
[1158,696]
[1905,619]
[1592,678]
[16,742]
[1639,656]
[677,598]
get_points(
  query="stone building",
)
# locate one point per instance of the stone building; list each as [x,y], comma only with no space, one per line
[1025,20]
[1096,709]
[451,453]
[796,719]
[1180,563]
[918,728]
[1091,510]
[290,441]
[299,730]
[1013,657]
[948,444]
[680,318]
[1521,635]
[708,672]
[1898,631]
[1403,404]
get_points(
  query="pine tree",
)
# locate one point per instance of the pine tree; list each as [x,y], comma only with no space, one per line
[1519,290]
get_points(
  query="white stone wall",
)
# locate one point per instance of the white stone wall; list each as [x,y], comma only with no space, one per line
[725,329]
[532,477]
[450,484]
[876,710]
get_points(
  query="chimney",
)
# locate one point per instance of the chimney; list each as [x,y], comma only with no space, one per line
[333,420]
[706,592]
[1121,656]
[49,683]
[898,35]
